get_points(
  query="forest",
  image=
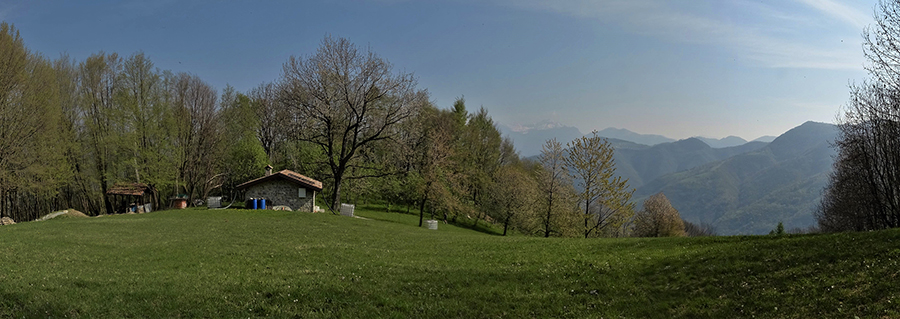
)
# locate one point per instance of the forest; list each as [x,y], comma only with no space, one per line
[74,129]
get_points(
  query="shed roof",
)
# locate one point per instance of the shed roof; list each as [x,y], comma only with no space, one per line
[128,189]
[287,175]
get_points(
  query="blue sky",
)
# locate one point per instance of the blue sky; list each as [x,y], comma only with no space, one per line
[679,68]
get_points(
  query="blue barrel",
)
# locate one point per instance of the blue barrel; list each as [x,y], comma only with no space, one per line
[262,203]
[253,203]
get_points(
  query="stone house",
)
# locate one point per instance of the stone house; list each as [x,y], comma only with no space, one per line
[284,188]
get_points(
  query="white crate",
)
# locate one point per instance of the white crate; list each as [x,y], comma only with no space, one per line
[214,202]
[347,209]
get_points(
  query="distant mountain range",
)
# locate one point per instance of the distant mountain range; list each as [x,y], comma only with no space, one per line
[529,139]
[750,193]
[739,187]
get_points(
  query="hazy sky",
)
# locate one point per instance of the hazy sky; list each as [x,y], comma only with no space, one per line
[676,68]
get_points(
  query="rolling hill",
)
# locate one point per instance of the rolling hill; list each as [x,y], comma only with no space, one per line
[750,193]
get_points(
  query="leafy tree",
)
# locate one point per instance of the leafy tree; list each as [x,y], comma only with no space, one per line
[244,157]
[31,166]
[512,195]
[345,101]
[658,219]
[436,180]
[102,128]
[197,135]
[605,198]
[555,185]
[479,156]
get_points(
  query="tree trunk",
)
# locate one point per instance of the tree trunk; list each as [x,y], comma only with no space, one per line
[422,209]
[336,196]
[506,224]
[587,214]
[547,222]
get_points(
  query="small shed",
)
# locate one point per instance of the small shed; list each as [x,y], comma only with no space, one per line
[284,188]
[131,197]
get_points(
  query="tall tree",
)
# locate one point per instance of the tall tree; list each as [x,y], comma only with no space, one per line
[437,180]
[99,81]
[605,198]
[480,155]
[864,190]
[554,183]
[243,156]
[273,117]
[146,123]
[30,161]
[345,101]
[197,135]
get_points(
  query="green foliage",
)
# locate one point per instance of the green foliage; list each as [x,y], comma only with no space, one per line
[605,198]
[237,263]
[658,219]
[778,231]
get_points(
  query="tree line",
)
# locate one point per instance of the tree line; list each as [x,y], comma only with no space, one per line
[71,130]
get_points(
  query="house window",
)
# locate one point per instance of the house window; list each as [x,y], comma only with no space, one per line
[302,192]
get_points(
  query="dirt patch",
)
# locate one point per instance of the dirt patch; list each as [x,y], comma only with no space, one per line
[65,213]
[75,213]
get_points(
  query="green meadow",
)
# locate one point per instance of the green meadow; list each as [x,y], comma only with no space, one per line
[240,263]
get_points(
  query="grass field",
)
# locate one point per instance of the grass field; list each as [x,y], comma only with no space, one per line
[237,263]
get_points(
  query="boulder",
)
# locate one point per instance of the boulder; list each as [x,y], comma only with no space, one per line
[7,221]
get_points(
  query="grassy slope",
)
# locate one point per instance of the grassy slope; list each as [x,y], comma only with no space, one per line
[233,263]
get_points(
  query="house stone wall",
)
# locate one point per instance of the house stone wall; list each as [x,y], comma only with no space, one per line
[281,192]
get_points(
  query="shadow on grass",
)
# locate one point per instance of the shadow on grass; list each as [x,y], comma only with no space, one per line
[467,223]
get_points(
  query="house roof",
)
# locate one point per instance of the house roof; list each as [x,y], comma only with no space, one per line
[287,175]
[128,189]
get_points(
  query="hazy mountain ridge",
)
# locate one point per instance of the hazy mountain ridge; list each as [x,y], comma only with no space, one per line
[529,139]
[765,138]
[626,135]
[750,193]
[722,142]
[642,165]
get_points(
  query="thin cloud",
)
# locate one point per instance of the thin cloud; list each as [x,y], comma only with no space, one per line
[753,33]
[839,11]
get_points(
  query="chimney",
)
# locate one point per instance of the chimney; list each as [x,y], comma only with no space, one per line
[268,170]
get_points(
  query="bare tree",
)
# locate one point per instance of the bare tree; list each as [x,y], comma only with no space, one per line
[345,101]
[272,129]
[864,189]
